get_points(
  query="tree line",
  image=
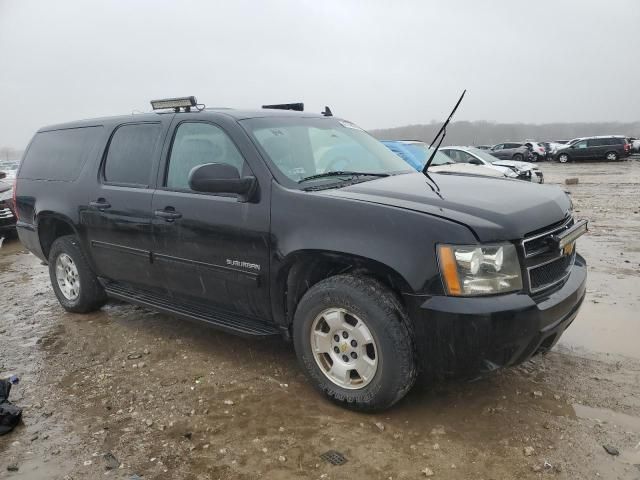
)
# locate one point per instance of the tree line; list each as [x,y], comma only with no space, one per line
[490,133]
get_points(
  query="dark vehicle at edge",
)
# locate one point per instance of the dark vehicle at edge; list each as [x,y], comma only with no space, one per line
[610,148]
[7,216]
[238,219]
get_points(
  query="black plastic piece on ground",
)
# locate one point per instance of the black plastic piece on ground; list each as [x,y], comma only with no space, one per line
[334,457]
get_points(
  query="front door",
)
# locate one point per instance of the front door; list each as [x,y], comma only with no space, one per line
[580,150]
[117,220]
[211,249]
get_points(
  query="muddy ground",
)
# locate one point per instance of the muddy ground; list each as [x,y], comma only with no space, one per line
[175,400]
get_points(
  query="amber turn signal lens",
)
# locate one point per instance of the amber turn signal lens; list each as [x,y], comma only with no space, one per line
[449,270]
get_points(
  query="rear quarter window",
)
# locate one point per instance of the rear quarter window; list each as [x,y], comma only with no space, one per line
[59,154]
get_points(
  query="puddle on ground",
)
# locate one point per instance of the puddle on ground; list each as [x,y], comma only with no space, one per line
[626,422]
[612,325]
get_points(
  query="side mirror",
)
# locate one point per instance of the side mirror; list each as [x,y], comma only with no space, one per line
[222,178]
[475,161]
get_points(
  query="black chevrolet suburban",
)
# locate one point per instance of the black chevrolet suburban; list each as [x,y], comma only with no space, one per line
[243,220]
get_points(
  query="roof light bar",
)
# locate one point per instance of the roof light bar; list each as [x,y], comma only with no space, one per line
[298,107]
[175,103]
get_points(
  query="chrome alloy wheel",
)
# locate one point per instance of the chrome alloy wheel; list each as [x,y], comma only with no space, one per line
[612,156]
[344,348]
[563,158]
[67,277]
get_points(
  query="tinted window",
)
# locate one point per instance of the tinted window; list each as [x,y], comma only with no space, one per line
[59,154]
[130,154]
[196,144]
[597,142]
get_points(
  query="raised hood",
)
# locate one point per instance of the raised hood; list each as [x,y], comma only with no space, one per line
[495,209]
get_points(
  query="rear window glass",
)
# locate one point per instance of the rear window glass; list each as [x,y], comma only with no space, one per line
[59,154]
[130,155]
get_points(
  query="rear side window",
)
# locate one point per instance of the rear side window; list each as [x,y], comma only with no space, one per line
[59,154]
[597,142]
[130,155]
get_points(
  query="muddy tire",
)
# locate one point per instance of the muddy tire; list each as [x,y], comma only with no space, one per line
[73,281]
[355,342]
[563,158]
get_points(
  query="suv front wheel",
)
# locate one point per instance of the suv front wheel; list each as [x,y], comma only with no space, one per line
[563,158]
[355,342]
[73,281]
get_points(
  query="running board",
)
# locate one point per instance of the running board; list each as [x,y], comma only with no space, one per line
[229,322]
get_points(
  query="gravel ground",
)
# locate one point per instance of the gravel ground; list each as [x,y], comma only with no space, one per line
[126,391]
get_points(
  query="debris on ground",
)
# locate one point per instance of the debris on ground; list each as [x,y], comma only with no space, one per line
[380,426]
[571,181]
[528,451]
[10,415]
[427,472]
[13,467]
[111,462]
[611,450]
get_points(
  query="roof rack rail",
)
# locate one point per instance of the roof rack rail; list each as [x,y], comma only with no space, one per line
[298,107]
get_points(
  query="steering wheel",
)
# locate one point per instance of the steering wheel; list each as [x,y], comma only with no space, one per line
[340,163]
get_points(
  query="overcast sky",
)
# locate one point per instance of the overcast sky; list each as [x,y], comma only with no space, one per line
[377,63]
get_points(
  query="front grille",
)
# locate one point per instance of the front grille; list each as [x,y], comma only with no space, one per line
[536,243]
[546,266]
[5,213]
[550,273]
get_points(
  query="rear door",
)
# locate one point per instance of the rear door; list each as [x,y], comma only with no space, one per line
[211,248]
[118,218]
[596,148]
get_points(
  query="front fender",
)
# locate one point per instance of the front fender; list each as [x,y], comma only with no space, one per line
[402,240]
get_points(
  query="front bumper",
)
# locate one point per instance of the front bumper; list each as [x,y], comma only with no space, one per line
[465,337]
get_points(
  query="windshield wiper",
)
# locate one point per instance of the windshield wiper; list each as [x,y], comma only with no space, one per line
[441,134]
[342,174]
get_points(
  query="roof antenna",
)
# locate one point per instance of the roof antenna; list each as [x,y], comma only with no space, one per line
[327,112]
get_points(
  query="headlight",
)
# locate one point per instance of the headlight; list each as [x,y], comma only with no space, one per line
[479,270]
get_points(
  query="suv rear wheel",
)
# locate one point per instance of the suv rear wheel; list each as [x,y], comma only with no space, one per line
[611,156]
[75,285]
[354,342]
[563,158]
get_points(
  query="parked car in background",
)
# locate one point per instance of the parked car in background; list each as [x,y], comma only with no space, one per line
[608,148]
[538,150]
[511,151]
[7,211]
[635,145]
[475,156]
[416,153]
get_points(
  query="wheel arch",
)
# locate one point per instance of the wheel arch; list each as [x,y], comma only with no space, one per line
[302,269]
[51,226]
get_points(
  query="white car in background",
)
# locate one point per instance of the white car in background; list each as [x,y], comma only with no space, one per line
[416,153]
[537,149]
[511,168]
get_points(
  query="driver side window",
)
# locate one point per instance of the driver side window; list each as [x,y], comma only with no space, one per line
[197,143]
[582,144]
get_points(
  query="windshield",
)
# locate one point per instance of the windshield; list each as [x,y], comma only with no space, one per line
[481,154]
[422,151]
[303,147]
